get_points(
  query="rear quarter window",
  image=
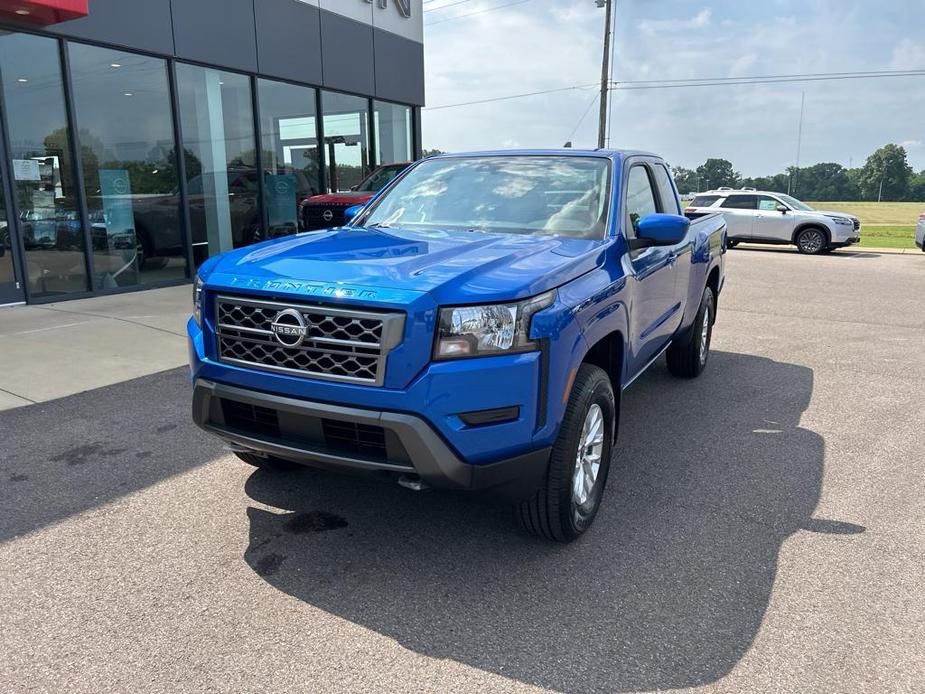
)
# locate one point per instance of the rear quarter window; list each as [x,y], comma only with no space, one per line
[704,200]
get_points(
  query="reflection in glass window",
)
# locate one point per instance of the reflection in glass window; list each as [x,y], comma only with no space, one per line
[393,132]
[49,223]
[534,195]
[125,131]
[346,139]
[640,198]
[219,148]
[291,159]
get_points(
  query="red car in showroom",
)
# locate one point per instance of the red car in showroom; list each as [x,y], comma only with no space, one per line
[327,210]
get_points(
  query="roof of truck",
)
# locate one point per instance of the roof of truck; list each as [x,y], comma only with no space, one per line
[562,151]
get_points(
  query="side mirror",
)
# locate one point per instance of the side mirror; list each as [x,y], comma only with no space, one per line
[660,230]
[352,212]
[783,209]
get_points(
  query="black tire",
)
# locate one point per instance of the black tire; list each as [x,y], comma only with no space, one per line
[811,241]
[687,358]
[267,462]
[554,512]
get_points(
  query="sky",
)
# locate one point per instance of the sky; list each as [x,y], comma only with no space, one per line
[537,45]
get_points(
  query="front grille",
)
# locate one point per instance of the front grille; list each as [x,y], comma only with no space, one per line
[315,215]
[350,437]
[251,418]
[338,344]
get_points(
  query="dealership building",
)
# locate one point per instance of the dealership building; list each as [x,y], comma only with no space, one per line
[140,137]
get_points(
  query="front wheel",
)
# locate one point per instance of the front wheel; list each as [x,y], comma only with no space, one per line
[687,358]
[811,241]
[566,504]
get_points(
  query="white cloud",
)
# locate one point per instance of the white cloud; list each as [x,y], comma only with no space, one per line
[908,55]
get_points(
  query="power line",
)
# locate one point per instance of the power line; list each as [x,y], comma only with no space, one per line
[444,7]
[511,96]
[472,14]
[582,119]
[701,82]
[764,79]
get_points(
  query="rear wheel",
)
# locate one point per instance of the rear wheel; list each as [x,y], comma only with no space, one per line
[569,499]
[811,241]
[687,358]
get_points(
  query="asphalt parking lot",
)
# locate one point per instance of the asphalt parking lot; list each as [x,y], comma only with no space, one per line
[764,529]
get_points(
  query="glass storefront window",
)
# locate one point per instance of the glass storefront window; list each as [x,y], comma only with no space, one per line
[49,219]
[219,147]
[392,123]
[346,139]
[125,132]
[291,159]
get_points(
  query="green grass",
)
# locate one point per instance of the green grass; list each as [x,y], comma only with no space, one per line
[890,213]
[887,236]
[883,224]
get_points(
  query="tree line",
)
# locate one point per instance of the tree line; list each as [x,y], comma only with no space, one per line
[886,176]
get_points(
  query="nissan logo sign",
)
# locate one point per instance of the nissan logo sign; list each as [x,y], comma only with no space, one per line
[289,327]
[404,6]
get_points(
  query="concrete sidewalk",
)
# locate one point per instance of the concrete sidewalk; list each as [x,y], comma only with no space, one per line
[54,350]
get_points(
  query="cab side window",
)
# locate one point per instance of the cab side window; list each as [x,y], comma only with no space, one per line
[666,190]
[640,198]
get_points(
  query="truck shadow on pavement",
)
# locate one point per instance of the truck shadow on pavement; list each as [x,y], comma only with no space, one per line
[667,590]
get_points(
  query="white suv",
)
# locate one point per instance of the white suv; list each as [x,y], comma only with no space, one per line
[756,216]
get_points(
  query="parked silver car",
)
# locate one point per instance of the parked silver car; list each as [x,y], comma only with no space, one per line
[920,232]
[758,216]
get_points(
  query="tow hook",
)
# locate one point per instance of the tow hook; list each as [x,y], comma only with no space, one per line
[413,482]
[235,448]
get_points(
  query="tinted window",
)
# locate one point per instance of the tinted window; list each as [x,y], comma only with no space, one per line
[740,202]
[704,200]
[666,190]
[220,150]
[393,132]
[380,179]
[125,127]
[40,148]
[538,195]
[291,156]
[640,198]
[346,139]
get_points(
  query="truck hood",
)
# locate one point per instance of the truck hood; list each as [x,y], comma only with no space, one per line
[828,213]
[453,266]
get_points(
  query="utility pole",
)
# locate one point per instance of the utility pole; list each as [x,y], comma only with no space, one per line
[605,74]
[882,176]
[796,169]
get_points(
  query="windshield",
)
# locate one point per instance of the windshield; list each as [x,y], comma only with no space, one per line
[543,195]
[794,203]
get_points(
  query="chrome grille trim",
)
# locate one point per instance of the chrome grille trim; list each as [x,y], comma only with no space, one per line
[346,345]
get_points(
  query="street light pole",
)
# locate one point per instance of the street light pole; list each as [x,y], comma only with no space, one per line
[605,74]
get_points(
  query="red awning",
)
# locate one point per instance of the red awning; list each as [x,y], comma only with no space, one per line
[44,11]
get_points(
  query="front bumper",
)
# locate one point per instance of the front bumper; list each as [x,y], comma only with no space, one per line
[362,439]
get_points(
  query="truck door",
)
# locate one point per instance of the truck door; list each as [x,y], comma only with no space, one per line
[655,312]
[771,223]
[739,211]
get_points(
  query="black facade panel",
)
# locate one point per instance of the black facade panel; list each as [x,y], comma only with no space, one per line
[218,32]
[142,25]
[399,68]
[347,54]
[289,40]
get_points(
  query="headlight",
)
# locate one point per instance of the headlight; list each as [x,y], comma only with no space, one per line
[469,331]
[197,300]
[843,220]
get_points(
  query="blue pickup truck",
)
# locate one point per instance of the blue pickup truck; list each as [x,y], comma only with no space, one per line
[472,327]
